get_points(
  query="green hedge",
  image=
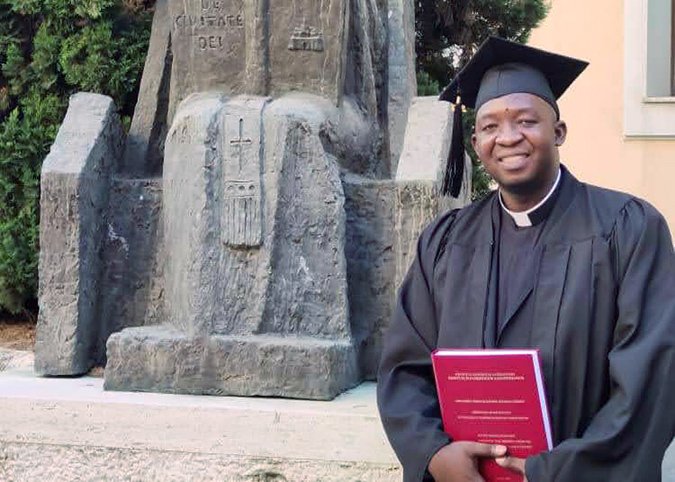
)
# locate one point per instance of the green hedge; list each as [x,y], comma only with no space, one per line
[50,49]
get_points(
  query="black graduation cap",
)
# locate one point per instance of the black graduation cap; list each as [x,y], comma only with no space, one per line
[500,67]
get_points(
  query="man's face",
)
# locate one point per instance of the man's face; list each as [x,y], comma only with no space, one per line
[516,138]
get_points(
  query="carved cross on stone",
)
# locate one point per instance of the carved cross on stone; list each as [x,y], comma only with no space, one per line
[240,143]
[242,188]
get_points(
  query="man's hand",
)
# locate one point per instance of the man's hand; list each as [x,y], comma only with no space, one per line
[513,463]
[458,462]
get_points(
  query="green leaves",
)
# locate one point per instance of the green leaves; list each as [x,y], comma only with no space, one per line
[426,85]
[88,9]
[50,49]
[95,60]
[450,31]
[85,55]
[46,47]
[457,27]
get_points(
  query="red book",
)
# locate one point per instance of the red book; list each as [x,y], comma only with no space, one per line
[494,397]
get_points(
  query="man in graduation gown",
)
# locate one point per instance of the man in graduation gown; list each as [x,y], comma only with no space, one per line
[584,274]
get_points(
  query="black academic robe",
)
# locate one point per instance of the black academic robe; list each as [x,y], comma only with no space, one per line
[602,306]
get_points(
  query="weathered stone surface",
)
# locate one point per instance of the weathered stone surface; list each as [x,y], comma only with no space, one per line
[74,195]
[133,258]
[308,47]
[427,140]
[308,285]
[254,230]
[384,220]
[365,86]
[334,49]
[244,236]
[191,224]
[258,48]
[145,142]
[402,83]
[287,274]
[210,40]
[371,264]
[167,360]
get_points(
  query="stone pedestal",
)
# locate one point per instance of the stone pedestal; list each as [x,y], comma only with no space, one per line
[255,275]
[163,359]
[250,237]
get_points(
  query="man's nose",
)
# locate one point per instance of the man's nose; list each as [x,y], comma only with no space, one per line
[509,134]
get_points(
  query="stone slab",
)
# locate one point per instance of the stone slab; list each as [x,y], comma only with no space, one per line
[133,259]
[73,200]
[402,83]
[145,142]
[98,435]
[384,220]
[209,42]
[308,46]
[427,140]
[254,225]
[257,47]
[167,360]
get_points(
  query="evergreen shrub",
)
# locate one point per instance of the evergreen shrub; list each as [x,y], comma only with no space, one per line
[50,49]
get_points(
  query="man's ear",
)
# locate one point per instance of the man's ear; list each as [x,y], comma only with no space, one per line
[474,140]
[560,131]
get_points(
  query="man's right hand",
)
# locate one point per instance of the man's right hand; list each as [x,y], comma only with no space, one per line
[458,461]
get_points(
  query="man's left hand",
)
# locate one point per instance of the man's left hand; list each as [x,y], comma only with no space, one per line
[513,463]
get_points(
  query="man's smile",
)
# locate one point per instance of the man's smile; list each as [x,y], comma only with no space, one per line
[514,161]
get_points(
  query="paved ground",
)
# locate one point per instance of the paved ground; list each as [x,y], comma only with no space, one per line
[73,419]
[148,436]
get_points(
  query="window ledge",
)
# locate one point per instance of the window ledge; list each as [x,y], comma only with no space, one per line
[659,100]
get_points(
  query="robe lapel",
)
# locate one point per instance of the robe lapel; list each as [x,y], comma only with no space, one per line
[550,234]
[482,283]
[489,289]
[513,309]
[551,274]
[526,287]
[547,300]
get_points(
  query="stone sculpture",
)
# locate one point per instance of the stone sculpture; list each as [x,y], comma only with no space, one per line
[250,238]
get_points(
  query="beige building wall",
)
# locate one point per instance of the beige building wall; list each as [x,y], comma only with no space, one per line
[596,149]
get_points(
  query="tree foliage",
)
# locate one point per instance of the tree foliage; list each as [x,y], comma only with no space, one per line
[450,31]
[50,49]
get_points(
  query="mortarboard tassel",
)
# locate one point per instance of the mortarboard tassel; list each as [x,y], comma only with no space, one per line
[454,169]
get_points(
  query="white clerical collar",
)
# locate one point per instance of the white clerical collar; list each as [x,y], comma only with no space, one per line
[535,214]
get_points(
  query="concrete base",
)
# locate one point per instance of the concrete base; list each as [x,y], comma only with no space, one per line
[71,429]
[162,359]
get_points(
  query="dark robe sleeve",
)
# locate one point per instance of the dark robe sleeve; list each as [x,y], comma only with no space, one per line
[627,438]
[406,391]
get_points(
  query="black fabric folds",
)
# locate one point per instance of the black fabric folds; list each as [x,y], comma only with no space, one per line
[601,312]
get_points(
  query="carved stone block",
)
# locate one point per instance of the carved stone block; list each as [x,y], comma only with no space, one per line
[74,196]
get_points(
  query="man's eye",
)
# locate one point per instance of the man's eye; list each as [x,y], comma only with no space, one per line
[488,127]
[527,122]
